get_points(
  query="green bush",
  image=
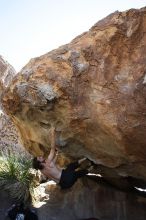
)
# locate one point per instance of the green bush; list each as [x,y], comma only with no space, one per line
[16,178]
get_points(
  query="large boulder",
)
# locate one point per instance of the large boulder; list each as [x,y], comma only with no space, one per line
[93,91]
[10,140]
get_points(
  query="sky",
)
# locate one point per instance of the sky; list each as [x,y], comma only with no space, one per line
[30,28]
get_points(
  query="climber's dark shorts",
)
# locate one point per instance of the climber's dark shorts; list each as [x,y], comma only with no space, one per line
[69,176]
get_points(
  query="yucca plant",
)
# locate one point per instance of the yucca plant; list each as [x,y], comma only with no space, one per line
[15,177]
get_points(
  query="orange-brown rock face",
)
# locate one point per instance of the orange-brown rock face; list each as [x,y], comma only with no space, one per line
[93,91]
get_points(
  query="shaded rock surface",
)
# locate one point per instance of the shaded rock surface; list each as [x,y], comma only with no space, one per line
[5,203]
[92,91]
[87,199]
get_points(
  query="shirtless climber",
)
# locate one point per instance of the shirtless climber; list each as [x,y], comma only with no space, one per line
[64,177]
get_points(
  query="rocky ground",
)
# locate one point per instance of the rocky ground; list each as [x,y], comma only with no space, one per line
[84,200]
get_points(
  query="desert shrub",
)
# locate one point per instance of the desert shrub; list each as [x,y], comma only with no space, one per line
[16,178]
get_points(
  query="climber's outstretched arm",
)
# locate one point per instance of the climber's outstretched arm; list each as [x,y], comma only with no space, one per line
[52,155]
[52,137]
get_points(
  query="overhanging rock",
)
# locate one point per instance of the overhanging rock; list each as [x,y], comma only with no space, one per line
[93,91]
